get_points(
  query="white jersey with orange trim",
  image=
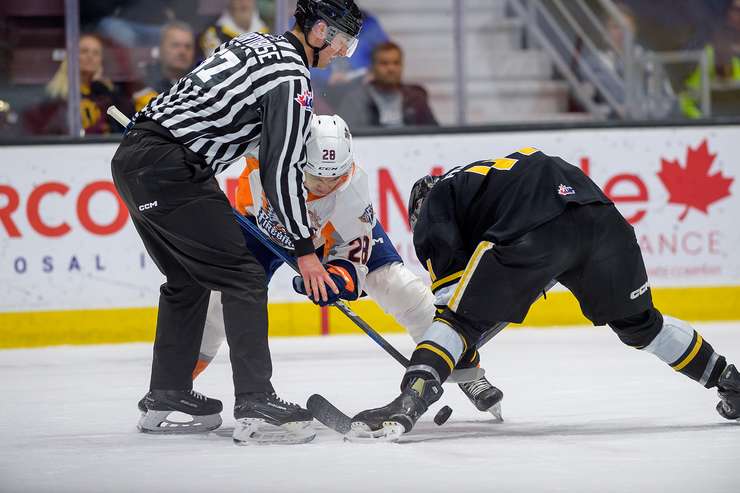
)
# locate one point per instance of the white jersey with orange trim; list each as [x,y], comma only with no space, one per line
[343,219]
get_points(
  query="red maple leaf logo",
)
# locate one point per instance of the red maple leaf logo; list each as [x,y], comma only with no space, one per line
[693,186]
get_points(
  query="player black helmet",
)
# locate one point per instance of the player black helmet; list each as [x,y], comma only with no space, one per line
[419,192]
[342,17]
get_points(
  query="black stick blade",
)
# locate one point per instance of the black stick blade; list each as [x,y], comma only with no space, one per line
[325,412]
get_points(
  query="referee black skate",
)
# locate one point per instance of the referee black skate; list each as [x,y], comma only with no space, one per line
[253,93]
[492,235]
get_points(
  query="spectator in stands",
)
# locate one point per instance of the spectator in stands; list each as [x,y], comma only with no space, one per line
[240,16]
[723,53]
[385,100]
[97,93]
[176,59]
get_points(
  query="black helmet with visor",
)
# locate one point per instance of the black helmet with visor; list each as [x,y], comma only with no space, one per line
[343,21]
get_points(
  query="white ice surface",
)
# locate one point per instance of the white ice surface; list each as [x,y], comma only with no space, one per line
[583,414]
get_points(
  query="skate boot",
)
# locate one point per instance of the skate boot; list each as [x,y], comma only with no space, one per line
[263,418]
[728,388]
[157,406]
[389,422]
[484,396]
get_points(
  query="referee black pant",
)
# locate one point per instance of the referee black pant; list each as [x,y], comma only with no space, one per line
[187,226]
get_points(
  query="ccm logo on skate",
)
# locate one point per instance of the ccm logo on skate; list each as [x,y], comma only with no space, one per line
[639,291]
[150,205]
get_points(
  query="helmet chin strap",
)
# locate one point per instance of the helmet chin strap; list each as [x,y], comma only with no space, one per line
[316,49]
[316,52]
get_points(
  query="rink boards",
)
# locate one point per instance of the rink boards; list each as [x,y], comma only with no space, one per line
[73,270]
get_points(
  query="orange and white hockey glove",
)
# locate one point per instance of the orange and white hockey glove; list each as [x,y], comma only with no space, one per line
[343,274]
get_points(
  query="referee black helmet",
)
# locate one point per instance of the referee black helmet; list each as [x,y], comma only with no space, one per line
[342,17]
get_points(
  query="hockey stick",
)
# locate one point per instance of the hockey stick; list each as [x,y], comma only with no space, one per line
[118,116]
[339,304]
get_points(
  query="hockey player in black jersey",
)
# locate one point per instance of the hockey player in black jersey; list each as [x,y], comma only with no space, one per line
[252,95]
[492,234]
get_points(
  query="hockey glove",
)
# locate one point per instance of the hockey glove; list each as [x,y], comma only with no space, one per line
[344,276]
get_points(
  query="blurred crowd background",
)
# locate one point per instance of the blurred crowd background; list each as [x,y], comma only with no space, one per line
[419,62]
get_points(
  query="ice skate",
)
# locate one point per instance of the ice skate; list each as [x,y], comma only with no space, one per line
[264,418]
[484,396]
[728,388]
[200,413]
[389,422]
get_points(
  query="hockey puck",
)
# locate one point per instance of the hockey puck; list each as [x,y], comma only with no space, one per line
[443,415]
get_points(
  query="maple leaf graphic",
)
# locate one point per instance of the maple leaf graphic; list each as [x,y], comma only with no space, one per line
[693,186]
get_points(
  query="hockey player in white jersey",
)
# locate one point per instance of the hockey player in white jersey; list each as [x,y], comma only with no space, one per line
[358,254]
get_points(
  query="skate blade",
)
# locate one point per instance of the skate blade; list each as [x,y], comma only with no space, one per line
[256,431]
[361,433]
[161,422]
[495,410]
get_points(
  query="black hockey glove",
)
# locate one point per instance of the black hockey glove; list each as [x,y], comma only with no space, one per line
[343,274]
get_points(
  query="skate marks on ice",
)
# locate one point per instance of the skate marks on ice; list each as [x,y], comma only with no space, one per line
[71,447]
[428,432]
[492,429]
[424,432]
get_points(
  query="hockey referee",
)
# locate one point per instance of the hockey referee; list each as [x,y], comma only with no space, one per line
[253,95]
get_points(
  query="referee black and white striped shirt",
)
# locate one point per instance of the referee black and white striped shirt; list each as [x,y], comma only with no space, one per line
[253,92]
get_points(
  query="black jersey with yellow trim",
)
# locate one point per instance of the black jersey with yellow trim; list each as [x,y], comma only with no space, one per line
[494,200]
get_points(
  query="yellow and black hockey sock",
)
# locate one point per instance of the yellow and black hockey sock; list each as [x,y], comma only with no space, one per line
[700,362]
[436,356]
[684,349]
